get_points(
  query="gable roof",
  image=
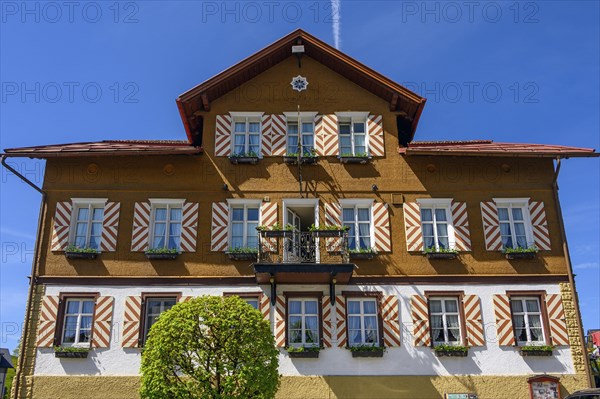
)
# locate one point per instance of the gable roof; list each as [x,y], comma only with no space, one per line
[199,98]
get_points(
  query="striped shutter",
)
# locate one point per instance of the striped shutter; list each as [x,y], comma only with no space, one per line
[539,225]
[264,306]
[491,226]
[131,322]
[504,325]
[266,135]
[223,136]
[327,322]
[376,139]
[268,217]
[220,222]
[110,226]
[556,320]
[381,224]
[60,230]
[333,216]
[420,318]
[278,135]
[140,235]
[326,135]
[189,227]
[474,323]
[102,322]
[183,298]
[280,321]
[47,323]
[460,222]
[340,325]
[412,226]
[391,320]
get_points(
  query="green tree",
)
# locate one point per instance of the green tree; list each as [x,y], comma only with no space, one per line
[210,347]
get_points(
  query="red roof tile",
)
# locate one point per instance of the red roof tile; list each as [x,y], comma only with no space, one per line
[489,148]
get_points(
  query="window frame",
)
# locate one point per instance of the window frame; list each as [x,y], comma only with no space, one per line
[61,314]
[247,118]
[459,295]
[90,204]
[545,321]
[375,296]
[233,203]
[353,117]
[304,295]
[156,203]
[305,117]
[246,296]
[143,316]
[523,204]
[433,204]
[359,204]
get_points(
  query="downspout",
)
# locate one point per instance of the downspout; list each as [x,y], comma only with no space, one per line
[33,278]
[565,245]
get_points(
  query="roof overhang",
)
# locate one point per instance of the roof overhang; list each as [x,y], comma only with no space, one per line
[303,273]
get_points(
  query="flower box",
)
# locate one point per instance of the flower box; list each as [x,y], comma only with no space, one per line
[362,255]
[354,159]
[277,233]
[243,160]
[535,352]
[304,354]
[71,354]
[80,255]
[161,255]
[242,255]
[451,353]
[367,353]
[520,255]
[328,233]
[293,160]
[441,255]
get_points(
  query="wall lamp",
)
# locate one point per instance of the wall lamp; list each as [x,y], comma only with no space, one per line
[374,187]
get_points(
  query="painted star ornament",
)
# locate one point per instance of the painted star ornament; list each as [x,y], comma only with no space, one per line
[299,83]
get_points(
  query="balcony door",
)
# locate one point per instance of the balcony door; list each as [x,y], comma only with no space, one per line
[301,246]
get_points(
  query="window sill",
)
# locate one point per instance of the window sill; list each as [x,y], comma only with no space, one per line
[243,256]
[526,353]
[81,255]
[441,255]
[71,355]
[292,160]
[355,160]
[276,233]
[450,353]
[304,355]
[373,353]
[365,255]
[328,233]
[520,255]
[244,160]
[161,256]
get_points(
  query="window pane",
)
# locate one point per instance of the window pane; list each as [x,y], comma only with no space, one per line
[429,242]
[516,306]
[72,307]
[96,229]
[307,127]
[254,127]
[359,127]
[174,242]
[252,302]
[175,214]
[452,321]
[534,321]
[370,336]
[532,305]
[86,322]
[453,335]
[437,321]
[435,306]
[348,214]
[82,214]
[240,127]
[517,213]
[310,307]
[370,322]
[370,307]
[292,128]
[365,242]
[353,307]
[98,214]
[295,322]
[438,335]
[440,215]
[442,229]
[88,307]
[94,242]
[503,213]
[70,329]
[536,334]
[519,321]
[81,229]
[443,242]
[426,215]
[428,229]
[363,214]
[160,214]
[237,214]
[253,214]
[292,144]
[522,242]
[355,337]
[80,242]
[295,307]
[359,141]
[451,306]
[344,128]
[174,229]
[237,242]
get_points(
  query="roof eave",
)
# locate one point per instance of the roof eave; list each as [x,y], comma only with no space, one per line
[503,154]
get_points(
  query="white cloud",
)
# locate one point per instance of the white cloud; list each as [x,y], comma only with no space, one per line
[336,10]
[14,233]
[586,266]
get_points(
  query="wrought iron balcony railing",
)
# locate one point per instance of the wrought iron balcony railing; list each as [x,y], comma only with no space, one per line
[290,246]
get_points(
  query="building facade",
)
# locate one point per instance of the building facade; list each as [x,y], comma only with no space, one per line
[449,255]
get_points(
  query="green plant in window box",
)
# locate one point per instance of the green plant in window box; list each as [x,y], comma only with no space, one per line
[75,252]
[362,253]
[520,252]
[303,351]
[162,253]
[451,350]
[242,253]
[367,350]
[440,253]
[536,350]
[328,227]
[71,352]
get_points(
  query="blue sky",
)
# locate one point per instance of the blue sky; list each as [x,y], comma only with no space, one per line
[507,71]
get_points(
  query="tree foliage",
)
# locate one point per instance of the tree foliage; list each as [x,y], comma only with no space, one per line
[210,347]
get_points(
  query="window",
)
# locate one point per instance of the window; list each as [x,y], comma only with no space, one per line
[445,320]
[515,227]
[353,134]
[154,307]
[436,223]
[252,298]
[303,322]
[246,134]
[244,221]
[252,302]
[88,216]
[166,224]
[307,134]
[77,322]
[527,320]
[363,325]
[357,218]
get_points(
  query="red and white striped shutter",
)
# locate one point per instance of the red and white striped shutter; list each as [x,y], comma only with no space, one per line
[319,135]
[491,226]
[131,322]
[266,135]
[474,323]
[189,227]
[223,136]
[62,221]
[47,323]
[333,216]
[420,318]
[103,315]
[504,324]
[220,222]
[376,139]
[264,306]
[140,235]
[268,217]
[340,323]
[327,322]
[556,320]
[278,135]
[412,226]
[381,224]
[110,227]
[185,298]
[391,320]
[280,324]
[460,222]
[328,134]
[539,225]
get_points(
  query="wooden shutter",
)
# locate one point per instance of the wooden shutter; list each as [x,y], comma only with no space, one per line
[327,314]
[474,323]
[412,226]
[140,235]
[62,222]
[103,314]
[391,320]
[333,216]
[318,135]
[264,305]
[420,318]
[189,227]
[265,130]
[504,325]
[110,227]
[539,225]
[47,323]
[131,322]
[376,139]
[268,217]
[220,222]
[460,222]
[280,324]
[491,226]
[278,135]
[381,224]
[556,320]
[223,136]
[326,135]
[340,324]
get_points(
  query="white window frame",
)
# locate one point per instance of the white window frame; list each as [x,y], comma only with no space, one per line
[356,204]
[246,117]
[305,117]
[303,316]
[146,314]
[445,313]
[523,204]
[79,315]
[235,203]
[90,204]
[525,313]
[362,316]
[162,203]
[433,204]
[354,117]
